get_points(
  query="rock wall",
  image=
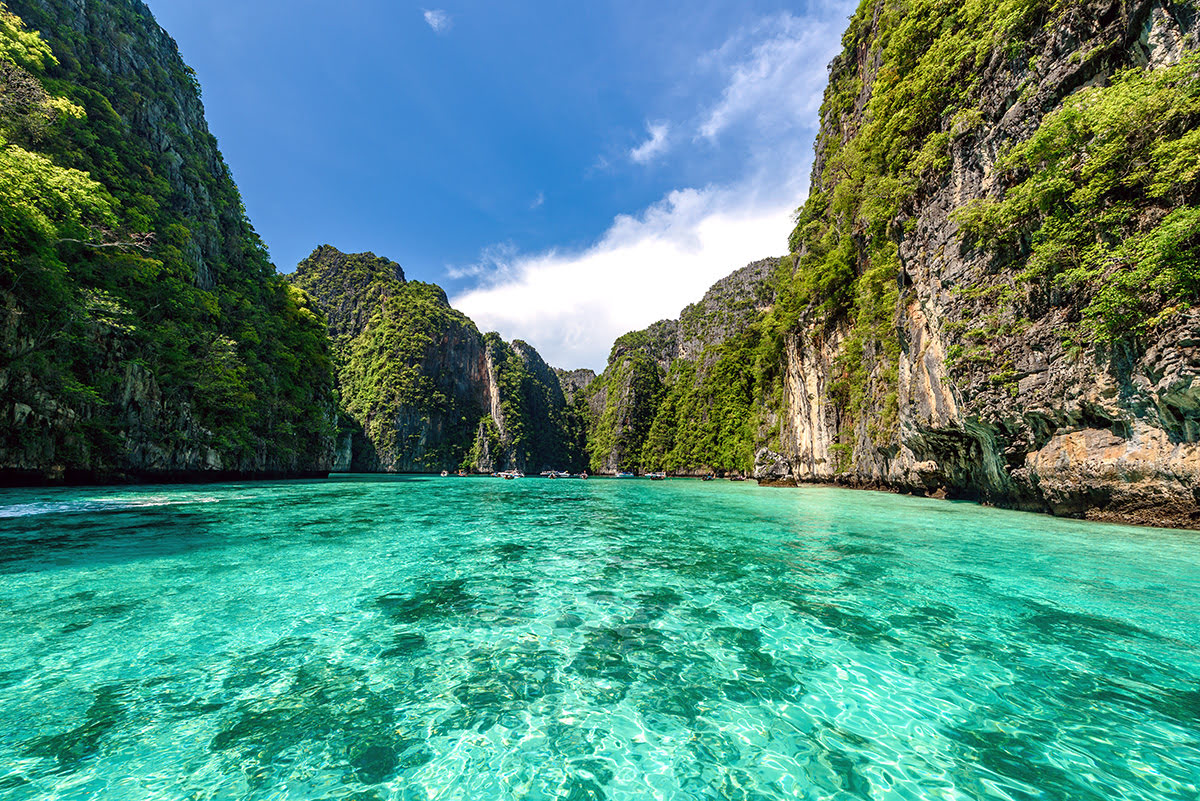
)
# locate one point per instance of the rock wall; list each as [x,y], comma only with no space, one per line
[662,401]
[186,358]
[422,389]
[1039,418]
[116,46]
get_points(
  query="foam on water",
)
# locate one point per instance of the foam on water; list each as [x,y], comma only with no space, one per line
[115,504]
[475,639]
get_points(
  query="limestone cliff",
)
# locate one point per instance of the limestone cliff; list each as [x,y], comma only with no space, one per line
[422,390]
[144,333]
[682,394]
[997,301]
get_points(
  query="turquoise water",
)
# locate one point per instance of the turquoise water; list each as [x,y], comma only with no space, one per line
[404,638]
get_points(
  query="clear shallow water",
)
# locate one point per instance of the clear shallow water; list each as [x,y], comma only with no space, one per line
[381,638]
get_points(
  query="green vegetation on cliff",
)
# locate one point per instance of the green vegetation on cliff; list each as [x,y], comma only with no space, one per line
[920,66]
[630,391]
[414,378]
[398,363]
[405,360]
[141,310]
[1107,198]
[1102,198]
[708,417]
[540,427]
[699,394]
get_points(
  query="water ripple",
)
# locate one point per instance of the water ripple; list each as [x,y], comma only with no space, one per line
[378,639]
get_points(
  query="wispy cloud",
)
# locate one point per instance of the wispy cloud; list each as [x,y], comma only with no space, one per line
[439,20]
[780,81]
[538,201]
[495,265]
[649,265]
[653,147]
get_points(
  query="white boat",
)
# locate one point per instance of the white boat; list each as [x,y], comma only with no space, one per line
[659,476]
[626,475]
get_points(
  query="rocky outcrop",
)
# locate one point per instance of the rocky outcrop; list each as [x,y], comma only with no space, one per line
[669,389]
[422,389]
[181,356]
[350,288]
[411,370]
[996,393]
[113,46]
[531,424]
[727,309]
[575,383]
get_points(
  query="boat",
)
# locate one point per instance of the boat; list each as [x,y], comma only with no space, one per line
[583,475]
[511,474]
[626,475]
[709,477]
[659,476]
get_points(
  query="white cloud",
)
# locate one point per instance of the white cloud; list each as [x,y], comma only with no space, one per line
[571,306]
[779,84]
[538,201]
[495,265]
[648,266]
[653,147]
[439,20]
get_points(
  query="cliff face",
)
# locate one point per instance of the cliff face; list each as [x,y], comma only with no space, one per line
[143,330]
[411,370]
[532,425]
[574,383]
[682,394]
[352,288]
[999,306]
[422,390]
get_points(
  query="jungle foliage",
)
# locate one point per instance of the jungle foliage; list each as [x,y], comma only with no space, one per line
[924,62]
[710,411]
[541,429]
[1102,198]
[100,268]
[1106,196]
[411,374]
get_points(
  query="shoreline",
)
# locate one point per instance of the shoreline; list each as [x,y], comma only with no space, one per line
[1173,522]
[27,479]
[32,479]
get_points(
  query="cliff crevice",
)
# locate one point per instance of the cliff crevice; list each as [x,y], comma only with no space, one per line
[986,371]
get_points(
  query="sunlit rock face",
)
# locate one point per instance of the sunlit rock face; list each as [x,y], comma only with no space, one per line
[996,392]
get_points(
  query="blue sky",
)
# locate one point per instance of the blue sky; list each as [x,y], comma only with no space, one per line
[567,171]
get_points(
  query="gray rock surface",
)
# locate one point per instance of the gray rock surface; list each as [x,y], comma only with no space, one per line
[1043,424]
